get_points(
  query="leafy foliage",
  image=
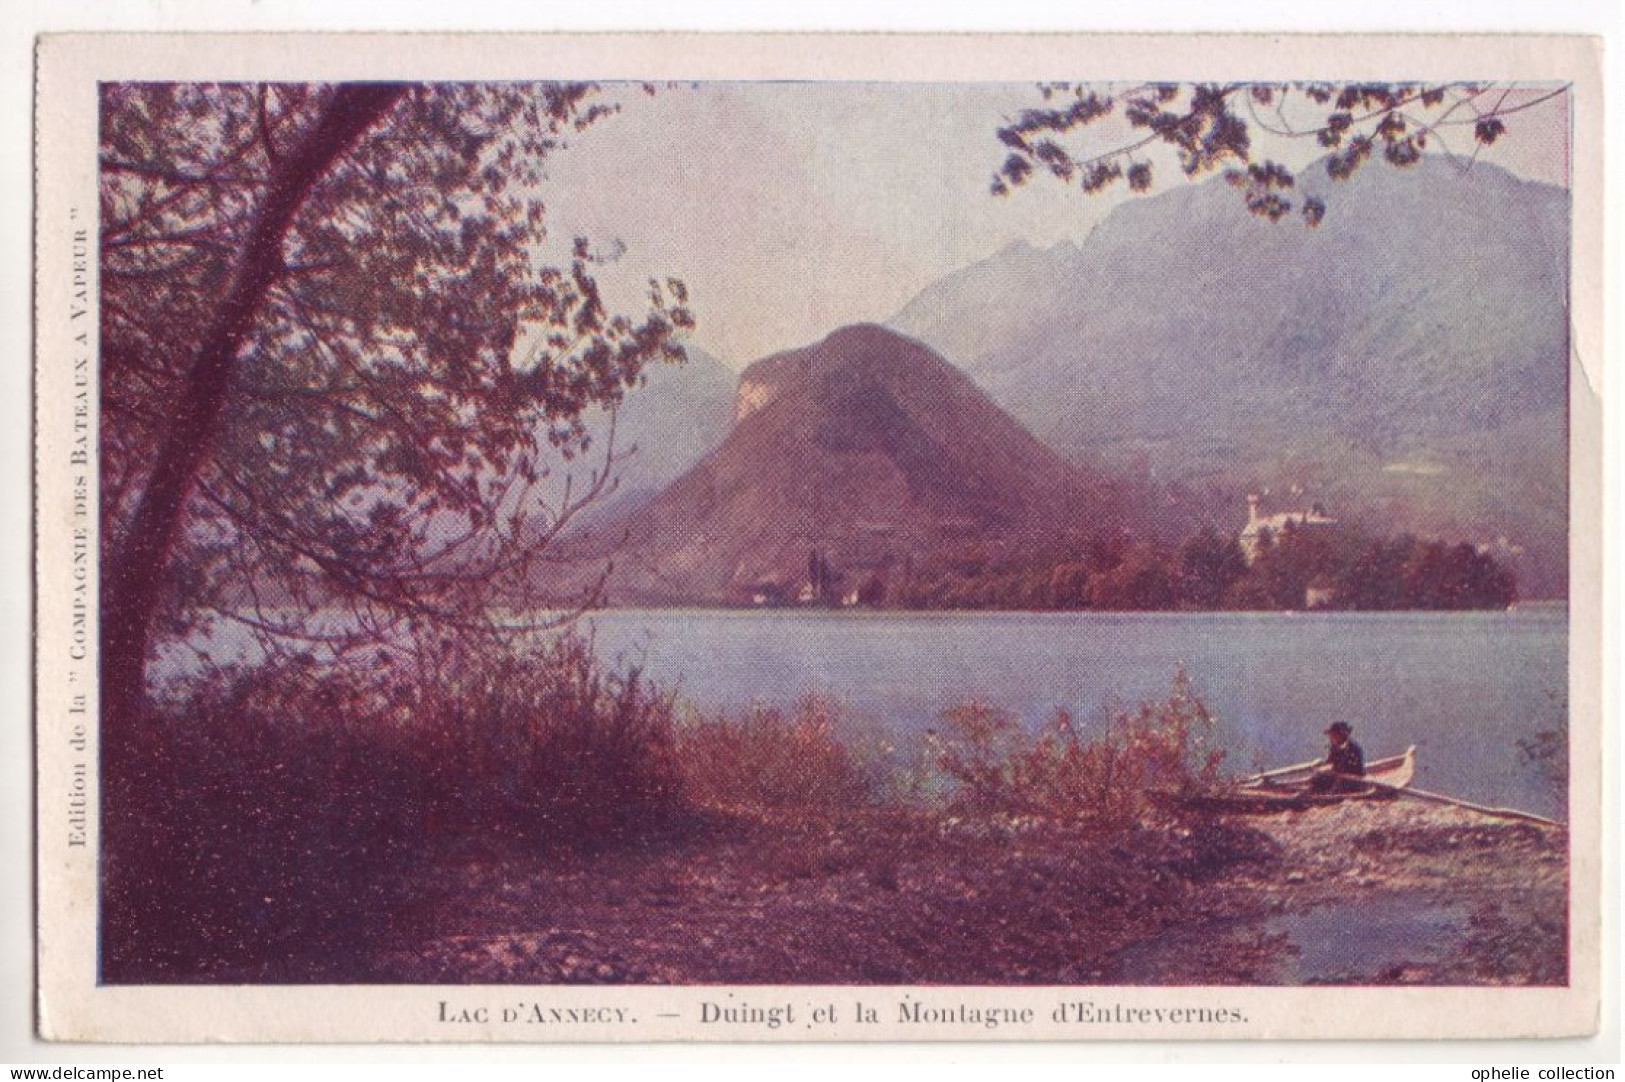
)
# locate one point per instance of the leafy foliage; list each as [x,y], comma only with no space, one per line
[402,378]
[1210,127]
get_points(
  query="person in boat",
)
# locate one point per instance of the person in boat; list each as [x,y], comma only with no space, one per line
[1345,762]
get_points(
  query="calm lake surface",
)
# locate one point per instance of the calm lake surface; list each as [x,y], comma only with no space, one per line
[1463,687]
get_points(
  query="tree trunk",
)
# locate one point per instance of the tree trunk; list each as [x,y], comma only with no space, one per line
[132,583]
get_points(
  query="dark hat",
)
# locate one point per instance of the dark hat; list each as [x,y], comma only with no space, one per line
[1340,727]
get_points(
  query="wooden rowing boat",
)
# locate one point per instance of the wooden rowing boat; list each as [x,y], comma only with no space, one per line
[1290,789]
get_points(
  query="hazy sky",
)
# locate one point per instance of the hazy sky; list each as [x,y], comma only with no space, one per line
[791,209]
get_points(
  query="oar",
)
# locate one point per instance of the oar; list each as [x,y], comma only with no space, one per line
[1440,798]
[1276,773]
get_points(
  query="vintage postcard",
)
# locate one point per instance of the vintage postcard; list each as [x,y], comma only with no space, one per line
[818,538]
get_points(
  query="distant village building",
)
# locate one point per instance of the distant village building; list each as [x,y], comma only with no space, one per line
[1320,593]
[767,592]
[1259,527]
[824,586]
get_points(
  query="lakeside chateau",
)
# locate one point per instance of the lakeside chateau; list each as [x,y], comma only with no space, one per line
[1260,529]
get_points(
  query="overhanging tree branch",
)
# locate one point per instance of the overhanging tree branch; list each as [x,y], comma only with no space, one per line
[323,411]
[1206,131]
[137,567]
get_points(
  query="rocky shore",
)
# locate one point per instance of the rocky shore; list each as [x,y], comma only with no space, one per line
[1361,893]
[1393,892]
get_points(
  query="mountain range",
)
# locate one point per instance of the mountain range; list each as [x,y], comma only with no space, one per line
[1405,364]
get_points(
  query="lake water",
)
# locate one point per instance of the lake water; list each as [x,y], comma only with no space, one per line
[1463,687]
[1353,943]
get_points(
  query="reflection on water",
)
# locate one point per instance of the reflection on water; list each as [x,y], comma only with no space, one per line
[1355,943]
[1463,687]
[1362,940]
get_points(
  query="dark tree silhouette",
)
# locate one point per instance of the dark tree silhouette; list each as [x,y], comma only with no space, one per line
[1375,578]
[1440,576]
[1141,581]
[1098,136]
[1208,564]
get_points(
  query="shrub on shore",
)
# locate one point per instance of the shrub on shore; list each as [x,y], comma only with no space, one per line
[772,760]
[548,745]
[264,825]
[996,767]
[257,829]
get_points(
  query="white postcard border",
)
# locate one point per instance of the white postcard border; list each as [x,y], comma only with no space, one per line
[71,1003]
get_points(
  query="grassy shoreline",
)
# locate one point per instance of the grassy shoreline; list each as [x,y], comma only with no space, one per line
[539,821]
